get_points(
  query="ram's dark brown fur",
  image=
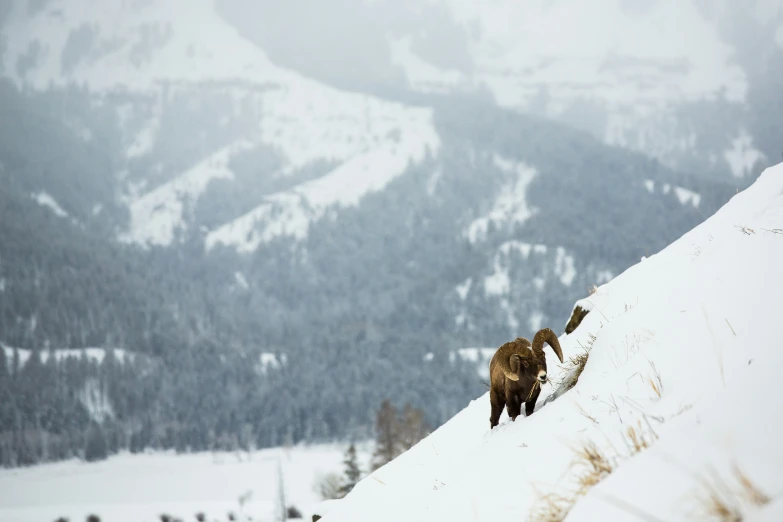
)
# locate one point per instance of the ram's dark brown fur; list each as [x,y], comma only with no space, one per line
[515,372]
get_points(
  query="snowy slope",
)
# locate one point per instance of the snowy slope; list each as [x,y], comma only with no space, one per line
[158,49]
[684,348]
[511,207]
[608,49]
[157,215]
[616,68]
[127,44]
[290,213]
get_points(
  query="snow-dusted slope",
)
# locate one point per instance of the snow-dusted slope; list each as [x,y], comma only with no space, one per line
[617,68]
[128,44]
[157,49]
[157,215]
[608,49]
[511,207]
[684,349]
[290,213]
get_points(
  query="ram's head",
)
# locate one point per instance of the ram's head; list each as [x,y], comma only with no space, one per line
[527,365]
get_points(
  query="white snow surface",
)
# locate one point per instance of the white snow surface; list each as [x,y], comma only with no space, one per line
[422,75]
[683,195]
[510,207]
[46,200]
[742,155]
[463,289]
[687,196]
[139,488]
[159,214]
[704,327]
[290,213]
[95,354]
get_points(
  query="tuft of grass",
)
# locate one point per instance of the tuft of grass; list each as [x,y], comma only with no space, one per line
[586,415]
[595,467]
[636,439]
[578,362]
[552,508]
[590,466]
[575,365]
[750,491]
[655,381]
[721,503]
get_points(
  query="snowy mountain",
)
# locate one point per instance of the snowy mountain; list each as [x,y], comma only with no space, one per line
[149,50]
[687,82]
[670,418]
[631,63]
[172,188]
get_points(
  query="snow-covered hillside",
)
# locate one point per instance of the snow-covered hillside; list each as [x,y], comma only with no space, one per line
[616,68]
[676,412]
[151,49]
[290,213]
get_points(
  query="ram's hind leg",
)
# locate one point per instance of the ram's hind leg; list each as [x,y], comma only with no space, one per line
[497,401]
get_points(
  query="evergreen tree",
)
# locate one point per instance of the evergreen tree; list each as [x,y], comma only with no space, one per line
[352,471]
[96,447]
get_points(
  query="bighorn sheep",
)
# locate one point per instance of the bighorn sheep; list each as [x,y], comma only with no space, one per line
[517,372]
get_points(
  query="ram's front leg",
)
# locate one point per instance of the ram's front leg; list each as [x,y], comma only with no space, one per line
[513,405]
[530,404]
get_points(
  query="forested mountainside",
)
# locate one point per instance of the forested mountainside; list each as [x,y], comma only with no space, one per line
[241,227]
[420,268]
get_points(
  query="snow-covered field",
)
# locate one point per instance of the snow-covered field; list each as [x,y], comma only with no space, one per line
[679,397]
[139,488]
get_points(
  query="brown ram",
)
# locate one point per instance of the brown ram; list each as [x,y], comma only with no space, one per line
[517,371]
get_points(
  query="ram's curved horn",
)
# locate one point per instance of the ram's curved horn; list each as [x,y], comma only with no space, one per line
[546,335]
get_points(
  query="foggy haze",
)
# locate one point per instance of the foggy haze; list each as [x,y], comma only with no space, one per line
[235,225]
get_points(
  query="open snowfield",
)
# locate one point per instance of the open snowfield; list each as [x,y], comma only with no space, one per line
[684,351]
[139,488]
